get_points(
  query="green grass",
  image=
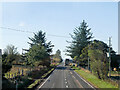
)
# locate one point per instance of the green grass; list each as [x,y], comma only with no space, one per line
[75,68]
[35,83]
[94,80]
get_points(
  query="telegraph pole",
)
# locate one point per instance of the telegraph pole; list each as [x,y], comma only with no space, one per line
[110,56]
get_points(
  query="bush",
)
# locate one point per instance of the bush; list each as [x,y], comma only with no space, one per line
[98,60]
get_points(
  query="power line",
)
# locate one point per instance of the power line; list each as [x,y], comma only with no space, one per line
[33,32]
[58,36]
[16,30]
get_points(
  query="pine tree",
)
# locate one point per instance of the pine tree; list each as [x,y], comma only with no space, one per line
[39,52]
[39,39]
[80,39]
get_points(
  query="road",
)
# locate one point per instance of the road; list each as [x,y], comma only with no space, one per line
[64,77]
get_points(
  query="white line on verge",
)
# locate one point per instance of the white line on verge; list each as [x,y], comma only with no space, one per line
[45,81]
[73,76]
[85,81]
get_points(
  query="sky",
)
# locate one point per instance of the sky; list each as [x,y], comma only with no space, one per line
[59,19]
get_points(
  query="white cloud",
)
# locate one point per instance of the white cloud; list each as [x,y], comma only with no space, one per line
[21,24]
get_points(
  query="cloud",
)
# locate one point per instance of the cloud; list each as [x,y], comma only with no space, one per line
[21,24]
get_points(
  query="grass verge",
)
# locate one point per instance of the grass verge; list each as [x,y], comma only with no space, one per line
[94,80]
[36,82]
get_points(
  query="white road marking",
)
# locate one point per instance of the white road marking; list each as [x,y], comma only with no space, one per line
[73,76]
[66,86]
[65,82]
[65,79]
[85,81]
[53,85]
[70,72]
[45,81]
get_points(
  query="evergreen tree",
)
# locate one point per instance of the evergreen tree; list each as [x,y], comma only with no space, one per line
[39,39]
[39,52]
[80,39]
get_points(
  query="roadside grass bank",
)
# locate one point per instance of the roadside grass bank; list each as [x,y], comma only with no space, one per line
[38,81]
[88,76]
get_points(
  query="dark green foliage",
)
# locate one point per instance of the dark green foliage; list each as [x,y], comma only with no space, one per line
[37,55]
[39,39]
[83,61]
[7,84]
[98,57]
[39,52]
[81,37]
[114,61]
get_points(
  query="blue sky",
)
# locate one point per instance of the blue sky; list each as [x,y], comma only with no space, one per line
[58,18]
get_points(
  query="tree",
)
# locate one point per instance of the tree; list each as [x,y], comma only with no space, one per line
[39,52]
[114,61]
[10,54]
[98,59]
[39,38]
[10,50]
[57,57]
[81,37]
[83,61]
[58,52]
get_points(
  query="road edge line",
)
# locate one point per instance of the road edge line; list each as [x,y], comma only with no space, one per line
[85,81]
[45,80]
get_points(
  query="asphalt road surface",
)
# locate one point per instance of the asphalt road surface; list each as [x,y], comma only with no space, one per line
[64,77]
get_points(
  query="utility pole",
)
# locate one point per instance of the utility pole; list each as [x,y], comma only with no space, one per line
[110,56]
